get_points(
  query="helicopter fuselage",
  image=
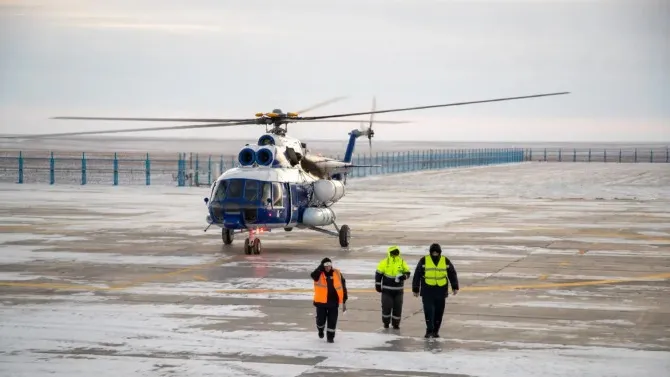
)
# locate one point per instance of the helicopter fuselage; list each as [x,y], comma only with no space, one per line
[278,185]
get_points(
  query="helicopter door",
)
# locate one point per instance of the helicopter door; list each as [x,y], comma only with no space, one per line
[280,203]
[287,201]
[294,210]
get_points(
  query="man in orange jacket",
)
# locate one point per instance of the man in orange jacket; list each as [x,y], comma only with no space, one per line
[330,290]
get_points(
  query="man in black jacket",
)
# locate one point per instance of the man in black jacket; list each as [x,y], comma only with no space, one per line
[430,280]
[330,290]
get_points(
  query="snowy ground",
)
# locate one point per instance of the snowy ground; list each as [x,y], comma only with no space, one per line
[564,271]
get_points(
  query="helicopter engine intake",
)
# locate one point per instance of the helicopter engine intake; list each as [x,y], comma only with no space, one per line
[246,157]
[264,157]
[328,191]
[318,216]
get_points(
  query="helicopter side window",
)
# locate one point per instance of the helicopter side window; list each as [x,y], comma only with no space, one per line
[235,188]
[221,190]
[266,196]
[251,191]
[277,195]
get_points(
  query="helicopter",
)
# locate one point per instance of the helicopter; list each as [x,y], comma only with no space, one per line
[279,183]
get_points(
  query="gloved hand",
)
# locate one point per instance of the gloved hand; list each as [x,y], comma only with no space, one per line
[416,294]
[378,288]
[403,278]
[321,267]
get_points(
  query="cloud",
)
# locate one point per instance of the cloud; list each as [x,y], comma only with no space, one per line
[235,58]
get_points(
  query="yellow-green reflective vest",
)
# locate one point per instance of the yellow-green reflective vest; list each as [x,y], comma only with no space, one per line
[436,275]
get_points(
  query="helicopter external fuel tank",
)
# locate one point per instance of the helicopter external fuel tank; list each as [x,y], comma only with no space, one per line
[318,216]
[328,191]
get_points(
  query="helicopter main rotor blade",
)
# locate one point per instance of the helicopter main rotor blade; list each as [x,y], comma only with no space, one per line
[433,106]
[37,136]
[321,104]
[156,119]
[346,121]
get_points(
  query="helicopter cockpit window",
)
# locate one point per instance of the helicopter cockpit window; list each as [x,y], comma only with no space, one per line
[277,195]
[251,191]
[221,190]
[235,188]
[266,197]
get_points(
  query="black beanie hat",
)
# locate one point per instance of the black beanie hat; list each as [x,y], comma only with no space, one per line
[435,247]
[324,260]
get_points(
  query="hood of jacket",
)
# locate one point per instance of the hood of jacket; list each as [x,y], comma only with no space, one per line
[388,252]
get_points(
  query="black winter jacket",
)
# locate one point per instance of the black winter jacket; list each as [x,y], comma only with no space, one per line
[419,286]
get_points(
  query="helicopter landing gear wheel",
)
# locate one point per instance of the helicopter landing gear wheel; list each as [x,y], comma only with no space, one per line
[256,247]
[247,247]
[252,246]
[227,236]
[344,235]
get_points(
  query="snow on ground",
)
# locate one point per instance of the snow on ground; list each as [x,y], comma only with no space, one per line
[10,254]
[642,181]
[84,334]
[108,339]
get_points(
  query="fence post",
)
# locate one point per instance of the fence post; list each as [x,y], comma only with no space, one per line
[116,170]
[147,170]
[574,155]
[589,154]
[83,168]
[20,167]
[179,170]
[667,154]
[182,170]
[651,155]
[620,155]
[635,154]
[197,169]
[209,170]
[604,155]
[52,167]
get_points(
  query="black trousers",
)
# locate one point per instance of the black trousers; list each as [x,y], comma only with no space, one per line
[433,310]
[326,318]
[392,306]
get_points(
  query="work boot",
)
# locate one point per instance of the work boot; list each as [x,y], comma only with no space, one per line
[429,334]
[386,325]
[436,334]
[331,340]
[396,327]
[320,333]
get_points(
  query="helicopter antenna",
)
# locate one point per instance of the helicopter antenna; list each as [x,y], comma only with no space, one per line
[370,132]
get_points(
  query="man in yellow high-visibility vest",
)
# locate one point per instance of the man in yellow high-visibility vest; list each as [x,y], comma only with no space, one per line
[430,281]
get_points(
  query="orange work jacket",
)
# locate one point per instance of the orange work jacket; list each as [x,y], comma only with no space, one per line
[321,288]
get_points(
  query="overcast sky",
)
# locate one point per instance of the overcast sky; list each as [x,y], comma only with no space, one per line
[225,58]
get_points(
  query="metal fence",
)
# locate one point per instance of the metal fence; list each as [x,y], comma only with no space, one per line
[628,155]
[195,170]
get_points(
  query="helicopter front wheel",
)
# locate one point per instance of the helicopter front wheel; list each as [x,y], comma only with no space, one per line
[227,235]
[252,246]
